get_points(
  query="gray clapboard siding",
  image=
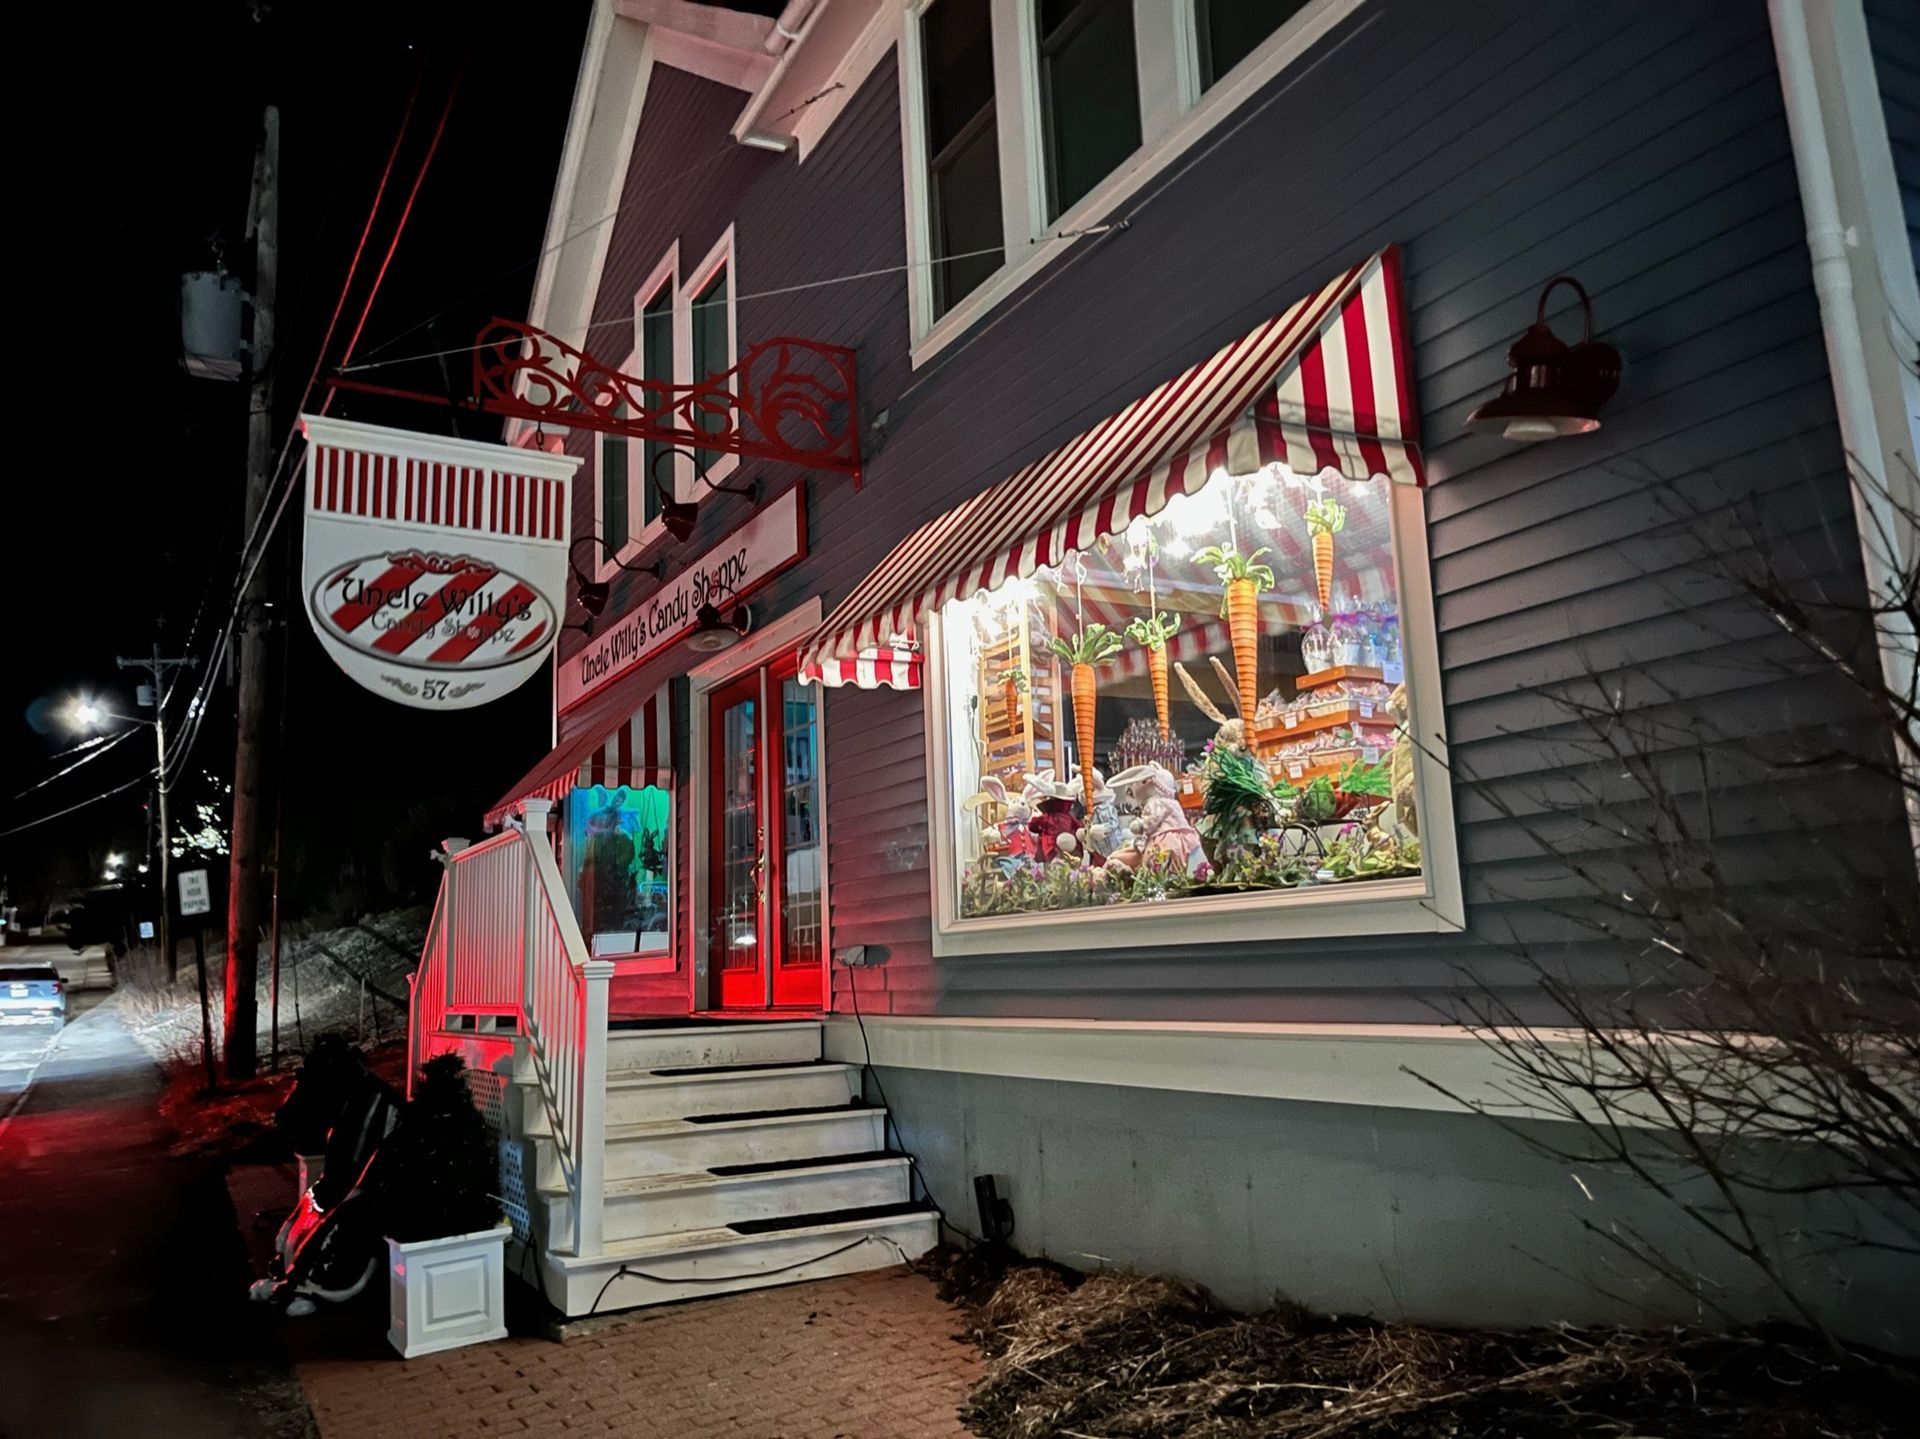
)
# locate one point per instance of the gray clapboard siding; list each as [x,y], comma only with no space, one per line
[1893,29]
[1641,147]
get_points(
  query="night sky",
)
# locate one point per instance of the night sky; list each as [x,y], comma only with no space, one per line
[126,523]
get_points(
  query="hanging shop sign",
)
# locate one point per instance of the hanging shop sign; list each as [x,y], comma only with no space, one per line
[436,569]
[726,574]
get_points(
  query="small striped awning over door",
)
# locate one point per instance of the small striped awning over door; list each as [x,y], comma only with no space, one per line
[638,751]
[1325,384]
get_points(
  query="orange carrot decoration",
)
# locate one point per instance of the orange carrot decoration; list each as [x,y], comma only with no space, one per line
[1151,633]
[1325,519]
[1092,646]
[1012,681]
[1243,577]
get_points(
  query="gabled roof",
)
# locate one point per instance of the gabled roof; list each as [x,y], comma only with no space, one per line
[778,53]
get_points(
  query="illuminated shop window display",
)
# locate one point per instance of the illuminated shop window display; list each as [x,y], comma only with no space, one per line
[1211,702]
[618,852]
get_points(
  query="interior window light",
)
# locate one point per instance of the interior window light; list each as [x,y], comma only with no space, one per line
[618,845]
[1209,703]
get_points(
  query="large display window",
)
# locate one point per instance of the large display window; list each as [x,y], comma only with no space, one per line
[1211,710]
[618,849]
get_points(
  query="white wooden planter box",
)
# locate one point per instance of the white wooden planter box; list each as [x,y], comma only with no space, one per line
[443,1293]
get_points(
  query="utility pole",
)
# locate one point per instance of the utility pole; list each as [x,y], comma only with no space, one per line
[158,667]
[250,812]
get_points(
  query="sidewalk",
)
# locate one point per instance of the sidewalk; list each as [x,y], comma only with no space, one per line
[871,1356]
[121,1280]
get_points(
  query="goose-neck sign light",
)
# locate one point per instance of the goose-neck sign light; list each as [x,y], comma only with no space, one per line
[436,569]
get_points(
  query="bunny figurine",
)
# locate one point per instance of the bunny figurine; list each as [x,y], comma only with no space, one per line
[1161,828]
[1103,832]
[1054,825]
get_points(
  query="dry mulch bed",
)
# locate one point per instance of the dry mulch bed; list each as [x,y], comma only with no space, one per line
[235,1120]
[1121,1356]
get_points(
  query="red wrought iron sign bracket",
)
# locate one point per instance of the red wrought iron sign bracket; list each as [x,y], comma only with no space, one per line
[789,400]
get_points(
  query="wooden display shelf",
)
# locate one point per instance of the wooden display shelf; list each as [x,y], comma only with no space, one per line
[1358,674]
[1352,717]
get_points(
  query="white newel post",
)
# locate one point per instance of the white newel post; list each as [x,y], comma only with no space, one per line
[597,975]
[534,829]
[450,927]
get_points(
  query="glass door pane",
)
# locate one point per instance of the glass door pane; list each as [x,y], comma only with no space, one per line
[738,874]
[801,921]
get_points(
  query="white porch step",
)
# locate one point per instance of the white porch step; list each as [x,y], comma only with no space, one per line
[634,1097]
[702,1046]
[663,1268]
[681,1146]
[662,1204]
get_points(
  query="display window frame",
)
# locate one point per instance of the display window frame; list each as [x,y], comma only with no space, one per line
[1429,902]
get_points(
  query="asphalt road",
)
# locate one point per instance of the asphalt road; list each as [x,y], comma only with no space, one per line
[23,1046]
[122,1278]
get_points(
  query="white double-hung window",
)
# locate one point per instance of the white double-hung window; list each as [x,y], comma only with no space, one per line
[1027,123]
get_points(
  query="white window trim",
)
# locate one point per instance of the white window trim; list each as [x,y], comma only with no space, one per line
[1175,116]
[757,651]
[1431,903]
[665,275]
[721,256]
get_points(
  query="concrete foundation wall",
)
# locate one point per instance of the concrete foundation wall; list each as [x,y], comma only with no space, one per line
[1397,1213]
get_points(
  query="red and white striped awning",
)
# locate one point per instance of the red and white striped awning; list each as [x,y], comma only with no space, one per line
[1327,383]
[638,751]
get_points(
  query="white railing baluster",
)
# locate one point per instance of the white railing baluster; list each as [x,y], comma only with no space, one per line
[506,942]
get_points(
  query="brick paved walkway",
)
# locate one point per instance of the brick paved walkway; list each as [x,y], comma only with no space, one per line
[872,1356]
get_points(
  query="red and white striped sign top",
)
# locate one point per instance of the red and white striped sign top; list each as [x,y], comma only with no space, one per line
[1327,383]
[429,492]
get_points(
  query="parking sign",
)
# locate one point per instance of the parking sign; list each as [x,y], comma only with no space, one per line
[194,895]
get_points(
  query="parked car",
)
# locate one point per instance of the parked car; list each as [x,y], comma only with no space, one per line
[32,994]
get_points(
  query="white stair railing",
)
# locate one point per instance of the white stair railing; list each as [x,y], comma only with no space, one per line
[504,944]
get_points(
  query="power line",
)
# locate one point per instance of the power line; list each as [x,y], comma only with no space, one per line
[94,747]
[741,299]
[104,794]
[254,551]
[718,153]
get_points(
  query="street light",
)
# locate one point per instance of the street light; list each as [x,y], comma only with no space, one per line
[86,714]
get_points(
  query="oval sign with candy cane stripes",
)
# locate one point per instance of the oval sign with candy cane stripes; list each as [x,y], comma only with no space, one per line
[435,568]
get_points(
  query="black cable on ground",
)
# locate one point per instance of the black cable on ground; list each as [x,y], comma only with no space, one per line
[889,1122]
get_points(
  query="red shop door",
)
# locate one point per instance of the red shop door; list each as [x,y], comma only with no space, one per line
[766,918]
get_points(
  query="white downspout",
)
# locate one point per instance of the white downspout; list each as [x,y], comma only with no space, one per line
[783,41]
[1883,529]
[786,29]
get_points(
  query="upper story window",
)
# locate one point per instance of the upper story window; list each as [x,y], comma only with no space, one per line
[710,330]
[614,493]
[656,362]
[1029,122]
[1227,31]
[1090,94]
[962,149]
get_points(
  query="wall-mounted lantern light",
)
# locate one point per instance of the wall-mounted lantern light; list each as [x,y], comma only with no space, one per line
[1553,388]
[713,631]
[593,593]
[678,517]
